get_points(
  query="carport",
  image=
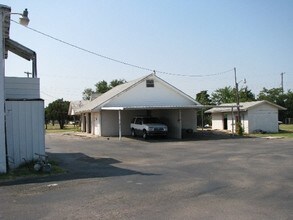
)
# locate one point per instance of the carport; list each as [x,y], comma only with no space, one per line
[110,114]
[177,118]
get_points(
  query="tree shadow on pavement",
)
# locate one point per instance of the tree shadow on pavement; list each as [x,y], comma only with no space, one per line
[78,166]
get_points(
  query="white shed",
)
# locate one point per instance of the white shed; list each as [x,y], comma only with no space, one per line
[110,114]
[24,109]
[255,116]
[21,109]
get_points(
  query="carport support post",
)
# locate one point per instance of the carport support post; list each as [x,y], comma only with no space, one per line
[119,118]
[180,124]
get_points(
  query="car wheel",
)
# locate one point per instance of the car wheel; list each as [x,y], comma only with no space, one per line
[133,132]
[144,134]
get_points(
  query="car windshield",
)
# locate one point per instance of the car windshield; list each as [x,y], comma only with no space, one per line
[151,120]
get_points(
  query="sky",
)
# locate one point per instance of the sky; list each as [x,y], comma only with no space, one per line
[197,42]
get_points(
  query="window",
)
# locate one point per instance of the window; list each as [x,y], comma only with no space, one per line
[150,83]
[138,121]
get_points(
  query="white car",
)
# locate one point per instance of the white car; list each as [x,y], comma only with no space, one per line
[147,126]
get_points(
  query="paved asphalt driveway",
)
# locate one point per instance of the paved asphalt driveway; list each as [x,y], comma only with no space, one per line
[249,178]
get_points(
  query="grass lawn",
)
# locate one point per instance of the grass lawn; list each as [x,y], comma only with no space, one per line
[56,128]
[27,170]
[286,131]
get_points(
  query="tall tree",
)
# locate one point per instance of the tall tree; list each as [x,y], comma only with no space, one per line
[223,95]
[274,95]
[58,110]
[203,98]
[277,96]
[87,94]
[102,86]
[288,103]
[228,95]
[246,95]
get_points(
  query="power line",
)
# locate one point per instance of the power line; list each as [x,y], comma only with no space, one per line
[49,95]
[120,61]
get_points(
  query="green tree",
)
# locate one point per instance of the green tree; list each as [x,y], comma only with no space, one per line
[87,94]
[288,103]
[223,95]
[58,110]
[203,98]
[116,82]
[246,95]
[47,117]
[228,95]
[276,95]
[102,86]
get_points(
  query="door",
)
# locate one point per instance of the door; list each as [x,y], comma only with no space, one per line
[225,121]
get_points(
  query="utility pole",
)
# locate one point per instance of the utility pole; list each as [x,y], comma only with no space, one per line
[28,74]
[238,121]
[282,82]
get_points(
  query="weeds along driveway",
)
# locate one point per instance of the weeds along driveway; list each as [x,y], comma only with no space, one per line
[249,178]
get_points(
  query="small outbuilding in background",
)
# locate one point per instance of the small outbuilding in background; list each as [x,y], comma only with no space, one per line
[255,116]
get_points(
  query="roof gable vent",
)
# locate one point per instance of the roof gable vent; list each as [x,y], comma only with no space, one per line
[150,83]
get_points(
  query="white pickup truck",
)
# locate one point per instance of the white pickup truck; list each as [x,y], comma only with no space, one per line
[147,126]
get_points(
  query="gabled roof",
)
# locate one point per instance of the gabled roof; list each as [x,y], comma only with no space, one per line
[75,105]
[103,99]
[245,106]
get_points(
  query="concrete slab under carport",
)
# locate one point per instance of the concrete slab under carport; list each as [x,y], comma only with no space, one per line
[176,120]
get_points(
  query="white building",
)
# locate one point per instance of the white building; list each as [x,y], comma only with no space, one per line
[255,116]
[110,114]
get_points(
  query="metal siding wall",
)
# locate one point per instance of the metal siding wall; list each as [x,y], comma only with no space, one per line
[25,130]
[20,88]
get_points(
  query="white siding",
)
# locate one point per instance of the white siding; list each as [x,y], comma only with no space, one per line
[245,122]
[217,121]
[96,123]
[140,95]
[231,122]
[25,130]
[22,88]
[109,123]
[263,117]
